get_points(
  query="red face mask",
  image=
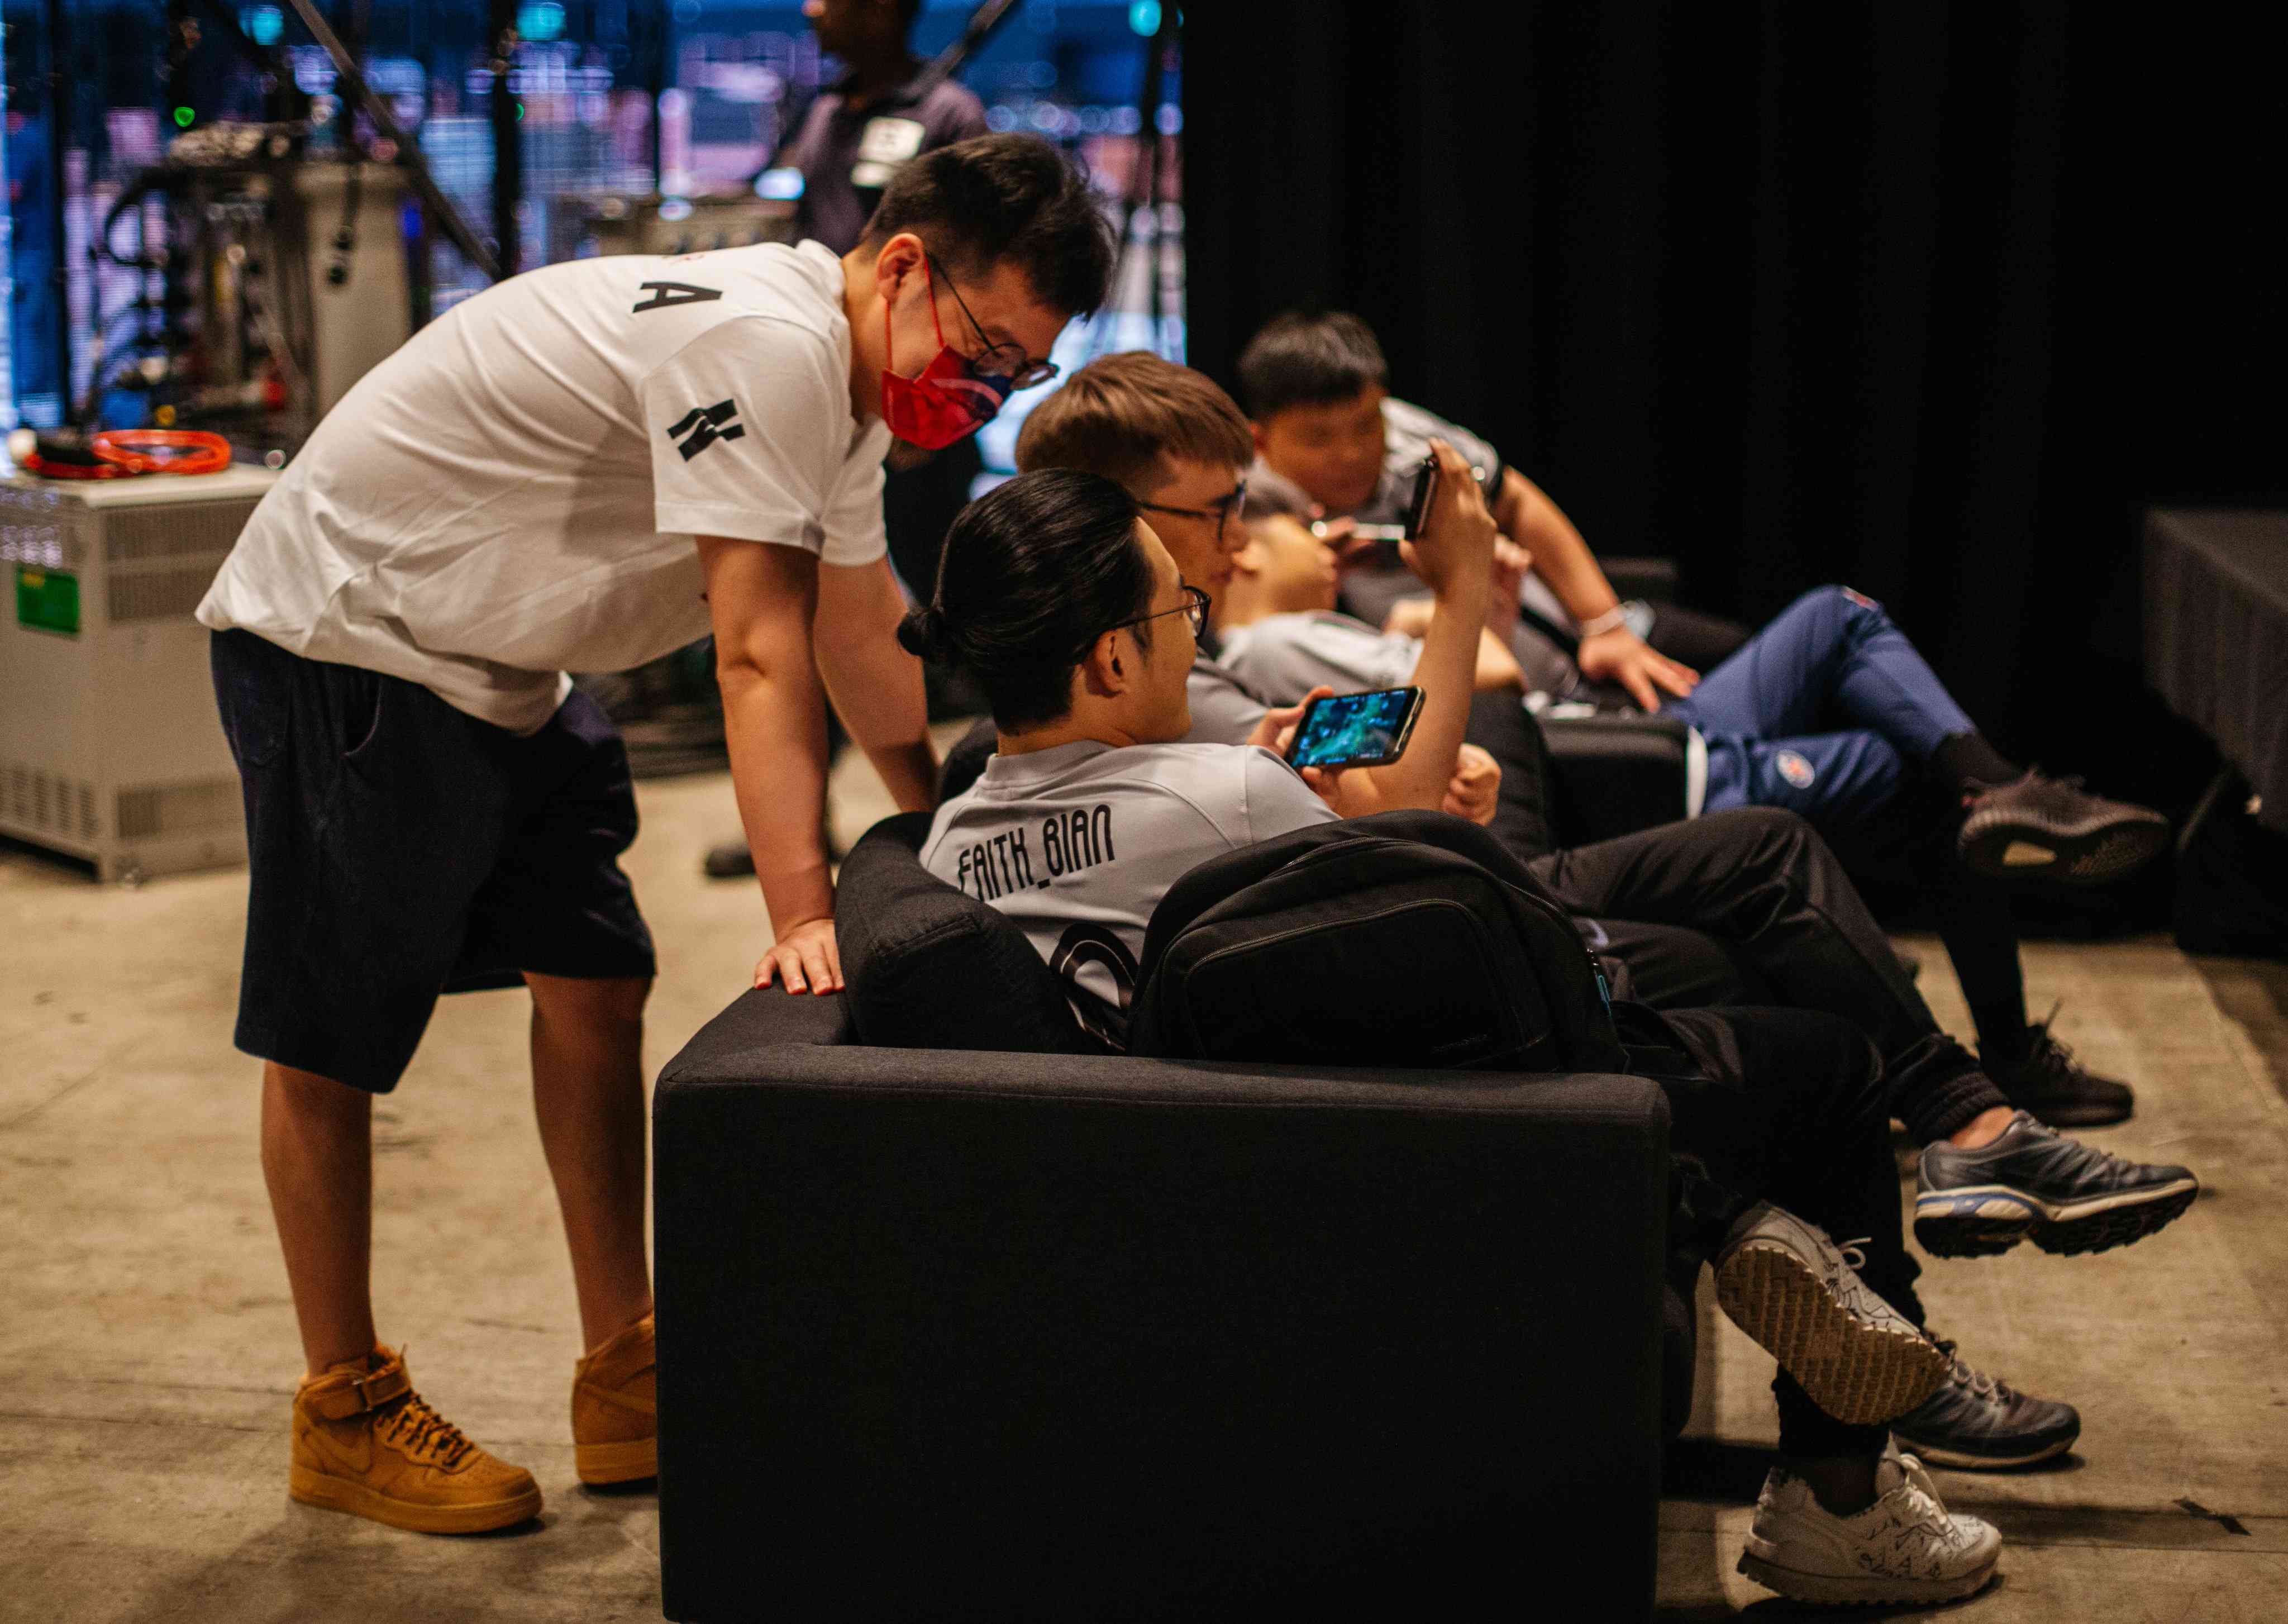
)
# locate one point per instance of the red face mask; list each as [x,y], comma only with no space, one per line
[947,401]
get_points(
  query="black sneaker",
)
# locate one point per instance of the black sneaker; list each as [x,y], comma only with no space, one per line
[2048,1083]
[1977,1422]
[729,861]
[2032,1183]
[2053,829]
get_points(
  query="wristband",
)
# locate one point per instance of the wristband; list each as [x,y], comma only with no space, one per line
[1612,619]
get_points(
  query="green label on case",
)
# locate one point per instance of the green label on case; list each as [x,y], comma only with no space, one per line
[47,599]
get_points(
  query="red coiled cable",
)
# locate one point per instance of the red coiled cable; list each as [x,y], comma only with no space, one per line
[186,451]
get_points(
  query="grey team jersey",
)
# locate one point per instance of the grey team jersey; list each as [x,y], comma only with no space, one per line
[1225,708]
[1285,656]
[1077,845]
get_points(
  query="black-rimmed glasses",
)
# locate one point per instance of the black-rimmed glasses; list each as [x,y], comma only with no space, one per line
[1196,604]
[1219,511]
[1006,362]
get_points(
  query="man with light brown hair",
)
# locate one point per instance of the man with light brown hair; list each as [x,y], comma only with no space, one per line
[1179,445]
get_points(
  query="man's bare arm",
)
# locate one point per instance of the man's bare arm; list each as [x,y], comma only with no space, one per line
[1455,556]
[876,684]
[761,598]
[1562,558]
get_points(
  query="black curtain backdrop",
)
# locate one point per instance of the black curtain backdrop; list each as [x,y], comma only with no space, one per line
[1929,299]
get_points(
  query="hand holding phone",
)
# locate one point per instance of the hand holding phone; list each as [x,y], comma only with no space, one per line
[1368,729]
[1454,547]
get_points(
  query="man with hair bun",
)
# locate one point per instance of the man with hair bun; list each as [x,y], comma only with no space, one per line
[581,469]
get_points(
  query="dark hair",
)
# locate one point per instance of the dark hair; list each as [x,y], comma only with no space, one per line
[1300,360]
[1121,415]
[1033,572]
[1004,199]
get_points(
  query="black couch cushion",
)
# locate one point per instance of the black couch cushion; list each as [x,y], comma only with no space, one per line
[1020,1338]
[930,967]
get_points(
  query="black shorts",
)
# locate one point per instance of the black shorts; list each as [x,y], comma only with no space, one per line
[401,849]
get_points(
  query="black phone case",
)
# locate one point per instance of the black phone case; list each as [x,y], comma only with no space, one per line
[1426,491]
[1398,746]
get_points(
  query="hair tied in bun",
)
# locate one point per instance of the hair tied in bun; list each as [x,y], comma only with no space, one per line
[922,633]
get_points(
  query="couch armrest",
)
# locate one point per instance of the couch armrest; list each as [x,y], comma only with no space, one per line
[1616,774]
[767,1018]
[960,1334]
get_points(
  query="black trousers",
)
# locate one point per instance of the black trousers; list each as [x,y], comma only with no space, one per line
[1739,907]
[1789,1106]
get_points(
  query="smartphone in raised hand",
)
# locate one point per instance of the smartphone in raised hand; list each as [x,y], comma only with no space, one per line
[1426,492]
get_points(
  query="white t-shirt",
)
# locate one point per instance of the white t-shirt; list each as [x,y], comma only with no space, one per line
[514,493]
[1078,844]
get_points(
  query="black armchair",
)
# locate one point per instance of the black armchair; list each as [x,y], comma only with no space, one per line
[960,1333]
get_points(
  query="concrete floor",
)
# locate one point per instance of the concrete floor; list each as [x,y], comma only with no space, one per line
[148,1351]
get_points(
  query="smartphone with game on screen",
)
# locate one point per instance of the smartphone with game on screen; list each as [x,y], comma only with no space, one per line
[1368,729]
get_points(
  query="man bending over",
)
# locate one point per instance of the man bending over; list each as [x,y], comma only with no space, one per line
[581,469]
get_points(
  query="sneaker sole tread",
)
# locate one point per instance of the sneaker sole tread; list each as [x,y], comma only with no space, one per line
[2063,1231]
[2111,850]
[1856,1590]
[1860,1373]
[1954,1460]
[332,1494]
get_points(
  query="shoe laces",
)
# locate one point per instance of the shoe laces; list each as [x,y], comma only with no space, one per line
[1854,1252]
[2046,1056]
[413,1427]
[1991,1388]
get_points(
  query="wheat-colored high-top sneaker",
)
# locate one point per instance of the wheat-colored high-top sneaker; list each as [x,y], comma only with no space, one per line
[615,1409]
[366,1442]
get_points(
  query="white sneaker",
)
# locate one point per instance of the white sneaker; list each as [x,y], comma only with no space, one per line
[1784,1283]
[1906,1547]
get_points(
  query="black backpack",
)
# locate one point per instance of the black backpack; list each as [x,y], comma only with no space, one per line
[1409,939]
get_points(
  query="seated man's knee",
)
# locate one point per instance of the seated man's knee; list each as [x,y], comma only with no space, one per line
[1764,838]
[1835,608]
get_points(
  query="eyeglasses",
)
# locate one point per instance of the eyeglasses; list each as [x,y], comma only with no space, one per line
[1196,604]
[1219,511]
[1005,362]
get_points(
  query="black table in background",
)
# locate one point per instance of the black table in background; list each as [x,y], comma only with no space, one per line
[2216,636]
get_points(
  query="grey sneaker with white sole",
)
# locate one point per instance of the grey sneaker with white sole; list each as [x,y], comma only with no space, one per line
[1976,1422]
[1800,1297]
